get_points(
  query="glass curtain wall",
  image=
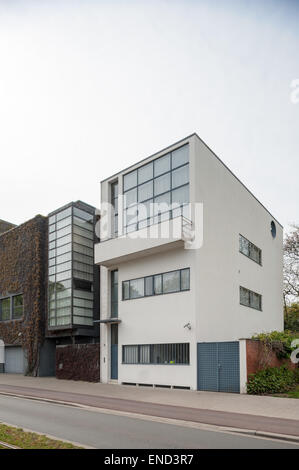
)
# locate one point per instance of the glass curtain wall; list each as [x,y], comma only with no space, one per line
[71,261]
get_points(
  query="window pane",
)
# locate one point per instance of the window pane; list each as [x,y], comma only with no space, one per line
[180,156]
[136,288]
[130,354]
[180,176]
[255,253]
[181,195]
[64,258]
[83,224]
[244,245]
[64,222]
[255,300]
[145,173]
[244,296]
[64,275]
[130,197]
[171,282]
[144,354]
[158,284]
[185,279]
[130,215]
[149,286]
[82,294]
[162,184]
[64,214]
[63,267]
[162,165]
[64,240]
[82,321]
[145,191]
[5,309]
[85,250]
[162,203]
[83,215]
[82,241]
[82,258]
[64,249]
[126,290]
[66,302]
[83,232]
[130,180]
[144,210]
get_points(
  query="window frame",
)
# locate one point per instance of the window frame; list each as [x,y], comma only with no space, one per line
[11,307]
[250,245]
[153,276]
[249,305]
[150,219]
[166,346]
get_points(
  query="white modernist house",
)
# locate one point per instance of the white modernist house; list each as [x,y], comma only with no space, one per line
[191,264]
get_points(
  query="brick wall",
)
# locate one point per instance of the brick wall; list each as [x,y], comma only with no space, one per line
[78,362]
[258,358]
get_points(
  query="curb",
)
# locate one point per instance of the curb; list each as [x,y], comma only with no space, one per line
[174,421]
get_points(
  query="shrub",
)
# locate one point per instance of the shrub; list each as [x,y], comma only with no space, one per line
[271,380]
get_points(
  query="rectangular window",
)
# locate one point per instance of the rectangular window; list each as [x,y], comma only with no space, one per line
[250,250]
[163,181]
[114,293]
[11,308]
[251,299]
[168,354]
[165,283]
[114,202]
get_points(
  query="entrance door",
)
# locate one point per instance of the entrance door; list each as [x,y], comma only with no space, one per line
[218,367]
[114,352]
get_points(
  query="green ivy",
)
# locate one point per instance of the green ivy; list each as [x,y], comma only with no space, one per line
[272,380]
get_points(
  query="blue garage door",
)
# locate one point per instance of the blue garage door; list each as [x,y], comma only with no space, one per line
[218,367]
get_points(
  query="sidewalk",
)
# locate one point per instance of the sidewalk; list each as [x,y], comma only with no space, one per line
[267,414]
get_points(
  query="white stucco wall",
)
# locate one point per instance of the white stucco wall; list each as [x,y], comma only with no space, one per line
[230,210]
[217,270]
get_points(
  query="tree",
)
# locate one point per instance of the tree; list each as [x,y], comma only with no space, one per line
[291,268]
[291,318]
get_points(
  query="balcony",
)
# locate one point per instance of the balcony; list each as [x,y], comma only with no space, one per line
[154,239]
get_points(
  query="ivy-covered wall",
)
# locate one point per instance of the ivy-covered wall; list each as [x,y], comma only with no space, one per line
[23,269]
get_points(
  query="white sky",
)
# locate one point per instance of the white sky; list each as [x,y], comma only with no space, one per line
[87,88]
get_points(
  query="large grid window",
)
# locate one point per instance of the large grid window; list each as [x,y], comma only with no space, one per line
[11,308]
[150,190]
[251,299]
[165,283]
[177,353]
[71,261]
[250,250]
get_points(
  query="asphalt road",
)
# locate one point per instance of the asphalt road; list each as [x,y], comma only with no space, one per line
[110,431]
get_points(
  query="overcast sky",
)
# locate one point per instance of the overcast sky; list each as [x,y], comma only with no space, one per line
[87,88]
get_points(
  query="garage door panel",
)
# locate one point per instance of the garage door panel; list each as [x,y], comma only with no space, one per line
[207,365]
[229,371]
[218,367]
[14,360]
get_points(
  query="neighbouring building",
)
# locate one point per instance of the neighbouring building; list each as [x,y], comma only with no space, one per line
[49,295]
[73,292]
[23,304]
[191,265]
